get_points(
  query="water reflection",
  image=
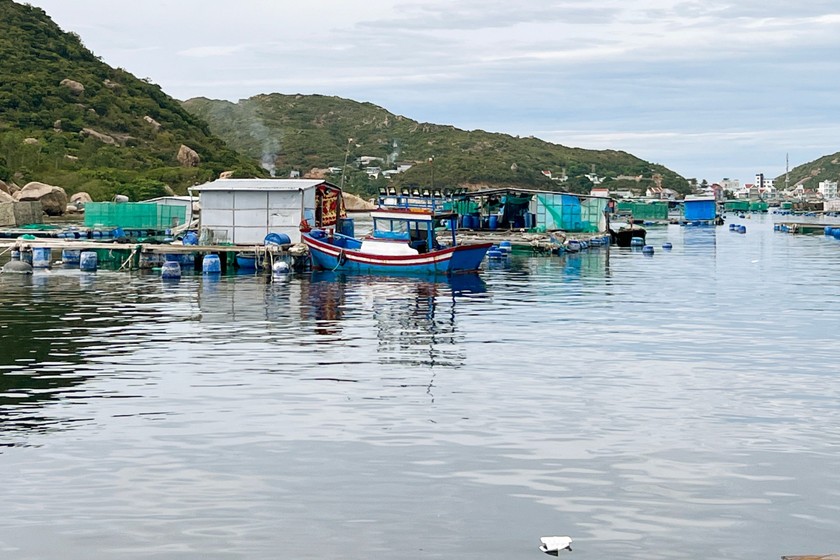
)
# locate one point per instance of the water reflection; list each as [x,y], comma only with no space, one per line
[415,317]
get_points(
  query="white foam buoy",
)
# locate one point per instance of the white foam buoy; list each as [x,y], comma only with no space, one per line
[280,267]
[553,545]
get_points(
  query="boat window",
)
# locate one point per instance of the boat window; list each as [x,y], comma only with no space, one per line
[388,228]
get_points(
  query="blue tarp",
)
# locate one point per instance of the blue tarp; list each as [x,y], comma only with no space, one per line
[699,209]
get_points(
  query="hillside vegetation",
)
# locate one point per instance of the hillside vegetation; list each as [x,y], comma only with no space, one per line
[826,168]
[306,132]
[70,120]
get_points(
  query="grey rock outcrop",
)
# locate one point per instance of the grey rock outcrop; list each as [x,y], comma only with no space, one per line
[104,138]
[74,86]
[53,199]
[188,157]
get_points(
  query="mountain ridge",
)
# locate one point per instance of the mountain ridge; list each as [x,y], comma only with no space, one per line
[299,133]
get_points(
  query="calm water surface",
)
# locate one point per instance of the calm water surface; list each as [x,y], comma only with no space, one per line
[684,405]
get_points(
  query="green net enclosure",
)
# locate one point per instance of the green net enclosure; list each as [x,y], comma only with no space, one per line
[572,213]
[654,210]
[139,215]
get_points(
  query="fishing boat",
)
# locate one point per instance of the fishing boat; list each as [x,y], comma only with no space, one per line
[403,241]
[624,236]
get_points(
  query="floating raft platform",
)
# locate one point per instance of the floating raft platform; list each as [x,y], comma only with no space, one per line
[134,256]
[806,228]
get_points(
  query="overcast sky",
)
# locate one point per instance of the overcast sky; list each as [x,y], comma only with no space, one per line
[710,89]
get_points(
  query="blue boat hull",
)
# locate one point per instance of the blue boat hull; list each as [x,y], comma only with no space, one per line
[341,254]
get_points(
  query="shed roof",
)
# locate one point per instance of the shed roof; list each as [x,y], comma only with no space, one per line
[261,185]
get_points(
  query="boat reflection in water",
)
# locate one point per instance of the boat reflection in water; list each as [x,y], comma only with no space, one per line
[416,317]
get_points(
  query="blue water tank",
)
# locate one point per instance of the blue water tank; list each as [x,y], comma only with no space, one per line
[494,221]
[211,264]
[41,257]
[88,260]
[170,270]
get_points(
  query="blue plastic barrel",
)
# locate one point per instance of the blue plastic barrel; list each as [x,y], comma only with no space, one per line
[636,241]
[742,229]
[88,260]
[278,239]
[41,257]
[505,246]
[246,262]
[15,255]
[494,221]
[494,253]
[211,264]
[667,246]
[836,233]
[71,256]
[827,230]
[732,227]
[647,249]
[170,270]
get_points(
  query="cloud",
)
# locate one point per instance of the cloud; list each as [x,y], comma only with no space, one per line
[212,51]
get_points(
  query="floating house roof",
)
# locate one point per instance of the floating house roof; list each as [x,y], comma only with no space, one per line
[262,185]
[506,190]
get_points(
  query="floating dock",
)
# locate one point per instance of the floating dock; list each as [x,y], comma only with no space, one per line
[806,228]
[139,256]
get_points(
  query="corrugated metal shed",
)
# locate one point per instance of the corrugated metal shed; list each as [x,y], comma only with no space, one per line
[244,211]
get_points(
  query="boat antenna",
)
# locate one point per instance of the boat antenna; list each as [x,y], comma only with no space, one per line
[344,169]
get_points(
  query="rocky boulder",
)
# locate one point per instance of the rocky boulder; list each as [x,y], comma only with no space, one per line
[79,199]
[5,188]
[355,204]
[153,122]
[6,197]
[53,199]
[104,138]
[188,157]
[74,86]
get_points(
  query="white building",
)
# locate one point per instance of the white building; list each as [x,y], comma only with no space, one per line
[828,189]
[244,211]
[732,185]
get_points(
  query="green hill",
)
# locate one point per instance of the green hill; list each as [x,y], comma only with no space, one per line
[68,119]
[306,132]
[826,168]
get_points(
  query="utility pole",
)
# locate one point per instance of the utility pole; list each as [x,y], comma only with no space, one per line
[344,169]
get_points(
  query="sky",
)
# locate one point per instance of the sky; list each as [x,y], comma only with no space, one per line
[710,89]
